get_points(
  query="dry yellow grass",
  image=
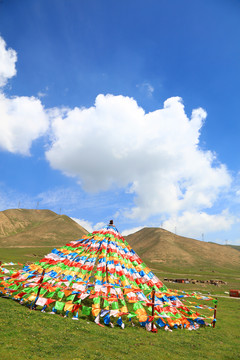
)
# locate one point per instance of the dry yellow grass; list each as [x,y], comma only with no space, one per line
[25,227]
[39,228]
[161,246]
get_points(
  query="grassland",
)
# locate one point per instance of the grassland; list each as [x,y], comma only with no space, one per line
[29,334]
[34,335]
[24,254]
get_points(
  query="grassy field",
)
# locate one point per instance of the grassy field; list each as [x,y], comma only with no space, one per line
[33,335]
[29,334]
[24,254]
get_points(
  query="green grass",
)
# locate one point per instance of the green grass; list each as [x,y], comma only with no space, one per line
[230,275]
[23,255]
[34,335]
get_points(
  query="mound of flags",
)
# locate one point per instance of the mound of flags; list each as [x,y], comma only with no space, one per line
[101,277]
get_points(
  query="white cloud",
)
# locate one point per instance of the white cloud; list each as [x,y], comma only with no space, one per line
[194,224]
[8,58]
[147,88]
[155,156]
[89,225]
[99,225]
[22,119]
[42,94]
[131,231]
[84,223]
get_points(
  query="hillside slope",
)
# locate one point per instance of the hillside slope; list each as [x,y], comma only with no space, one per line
[39,228]
[25,227]
[161,246]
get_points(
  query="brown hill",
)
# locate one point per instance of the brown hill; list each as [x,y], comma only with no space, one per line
[24,227]
[31,228]
[161,246]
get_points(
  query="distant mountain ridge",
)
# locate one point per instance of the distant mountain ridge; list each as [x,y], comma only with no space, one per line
[28,227]
[33,228]
[162,246]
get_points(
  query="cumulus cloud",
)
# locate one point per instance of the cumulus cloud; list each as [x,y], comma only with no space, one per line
[88,225]
[132,230]
[155,156]
[22,119]
[8,58]
[194,224]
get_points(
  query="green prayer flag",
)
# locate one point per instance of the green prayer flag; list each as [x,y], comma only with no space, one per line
[130,315]
[177,316]
[60,294]
[137,306]
[59,305]
[27,290]
[96,300]
[163,288]
[123,302]
[50,294]
[105,303]
[114,305]
[43,291]
[86,310]
[14,287]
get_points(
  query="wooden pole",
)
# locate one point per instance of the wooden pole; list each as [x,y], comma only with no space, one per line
[214,315]
[153,302]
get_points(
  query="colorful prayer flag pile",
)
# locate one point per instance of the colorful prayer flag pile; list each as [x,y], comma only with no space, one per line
[101,276]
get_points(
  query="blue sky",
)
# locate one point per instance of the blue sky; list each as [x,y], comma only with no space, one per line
[126,110]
